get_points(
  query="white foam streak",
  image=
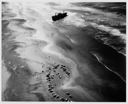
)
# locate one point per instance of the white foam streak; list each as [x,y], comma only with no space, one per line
[99,60]
[5,76]
[111,30]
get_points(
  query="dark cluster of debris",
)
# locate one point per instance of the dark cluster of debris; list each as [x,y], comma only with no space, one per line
[51,87]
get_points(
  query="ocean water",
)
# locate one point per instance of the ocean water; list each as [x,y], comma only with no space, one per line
[79,58]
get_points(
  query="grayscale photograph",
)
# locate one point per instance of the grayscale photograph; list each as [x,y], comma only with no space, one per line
[63,51]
